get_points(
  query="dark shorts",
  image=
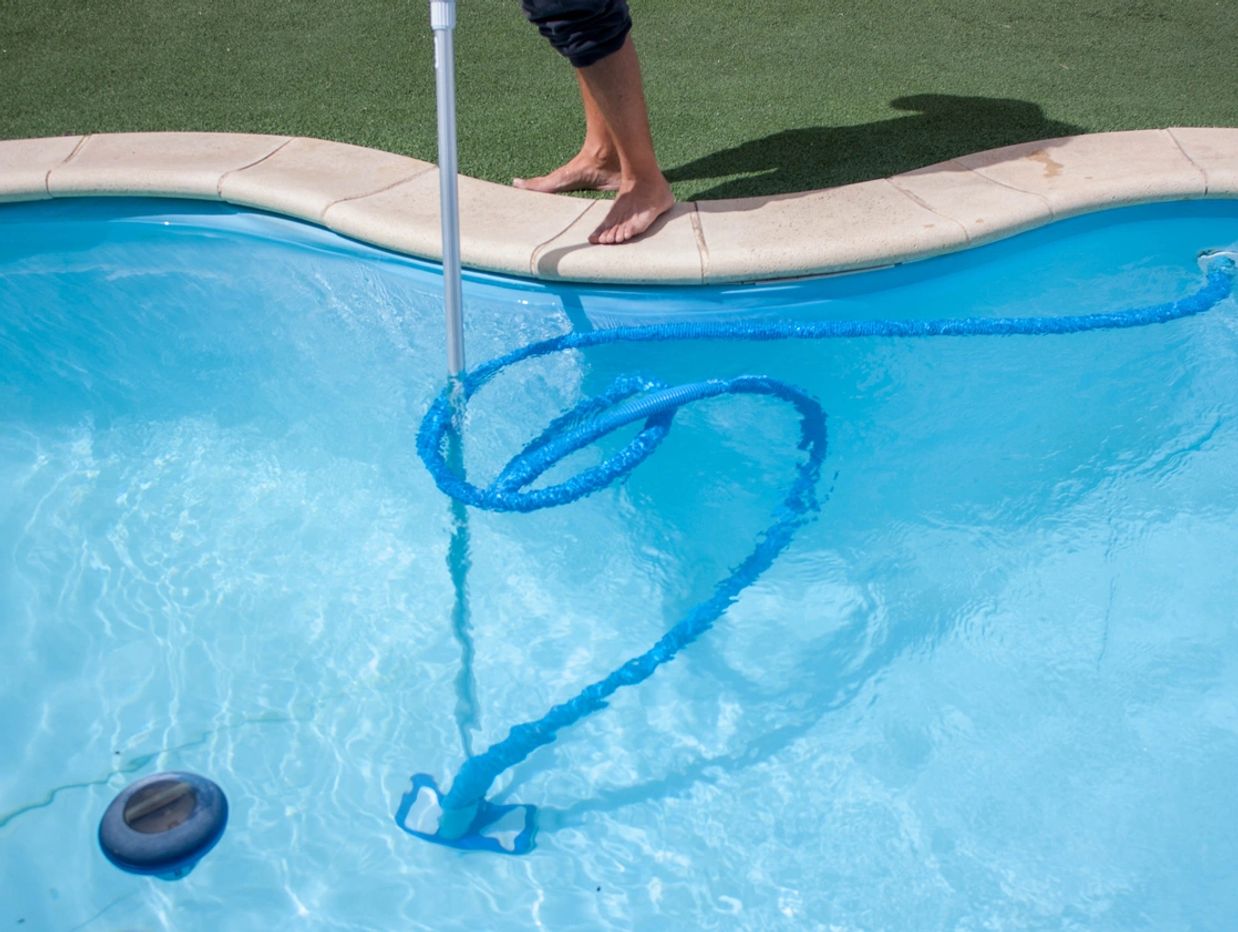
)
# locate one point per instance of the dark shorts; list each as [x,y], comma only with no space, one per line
[583,31]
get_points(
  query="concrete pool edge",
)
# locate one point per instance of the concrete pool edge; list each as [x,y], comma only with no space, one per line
[392,201]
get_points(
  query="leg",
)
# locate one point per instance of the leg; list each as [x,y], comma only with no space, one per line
[614,83]
[617,154]
[594,168]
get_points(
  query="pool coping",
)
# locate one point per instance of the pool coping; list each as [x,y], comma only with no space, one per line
[391,201]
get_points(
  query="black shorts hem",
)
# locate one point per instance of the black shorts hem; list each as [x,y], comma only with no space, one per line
[582,31]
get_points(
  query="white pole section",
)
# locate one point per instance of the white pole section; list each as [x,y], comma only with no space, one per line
[443,23]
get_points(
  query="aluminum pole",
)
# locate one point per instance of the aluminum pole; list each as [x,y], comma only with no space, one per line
[443,23]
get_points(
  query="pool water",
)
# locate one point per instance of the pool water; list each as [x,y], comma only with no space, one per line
[993,684]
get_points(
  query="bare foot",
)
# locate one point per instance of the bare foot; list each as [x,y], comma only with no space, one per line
[634,211]
[584,172]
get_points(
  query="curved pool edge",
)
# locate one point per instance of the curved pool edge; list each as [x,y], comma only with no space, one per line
[391,201]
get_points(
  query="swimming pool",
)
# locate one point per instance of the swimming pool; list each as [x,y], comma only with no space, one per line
[991,684]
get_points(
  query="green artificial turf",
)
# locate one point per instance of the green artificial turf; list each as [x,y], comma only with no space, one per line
[745,98]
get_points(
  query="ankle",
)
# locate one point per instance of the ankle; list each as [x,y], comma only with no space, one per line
[648,181]
[600,155]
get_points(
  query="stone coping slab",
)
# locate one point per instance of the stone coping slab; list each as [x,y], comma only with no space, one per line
[392,201]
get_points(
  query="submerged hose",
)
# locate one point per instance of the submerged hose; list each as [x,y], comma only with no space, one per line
[632,399]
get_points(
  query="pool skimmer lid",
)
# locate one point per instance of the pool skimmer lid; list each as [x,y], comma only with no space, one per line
[163,824]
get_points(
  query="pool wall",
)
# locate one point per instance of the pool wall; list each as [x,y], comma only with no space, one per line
[392,201]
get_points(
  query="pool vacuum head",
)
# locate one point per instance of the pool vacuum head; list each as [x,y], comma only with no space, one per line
[497,829]
[163,824]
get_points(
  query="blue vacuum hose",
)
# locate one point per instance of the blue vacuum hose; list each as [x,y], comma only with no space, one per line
[463,817]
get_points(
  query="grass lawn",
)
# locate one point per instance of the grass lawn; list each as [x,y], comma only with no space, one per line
[745,98]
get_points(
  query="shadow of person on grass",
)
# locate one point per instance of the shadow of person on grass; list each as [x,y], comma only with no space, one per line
[938,127]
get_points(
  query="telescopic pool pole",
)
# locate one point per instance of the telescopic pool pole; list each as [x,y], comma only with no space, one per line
[443,24]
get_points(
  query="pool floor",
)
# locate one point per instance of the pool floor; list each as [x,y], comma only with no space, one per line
[991,684]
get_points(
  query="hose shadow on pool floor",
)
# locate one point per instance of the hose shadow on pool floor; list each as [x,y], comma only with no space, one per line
[834,674]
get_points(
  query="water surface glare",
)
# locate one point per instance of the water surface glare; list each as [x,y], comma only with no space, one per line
[994,683]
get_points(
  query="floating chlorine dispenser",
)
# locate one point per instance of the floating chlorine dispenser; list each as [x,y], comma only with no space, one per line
[163,824]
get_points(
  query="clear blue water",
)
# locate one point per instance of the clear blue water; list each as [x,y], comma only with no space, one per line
[994,684]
